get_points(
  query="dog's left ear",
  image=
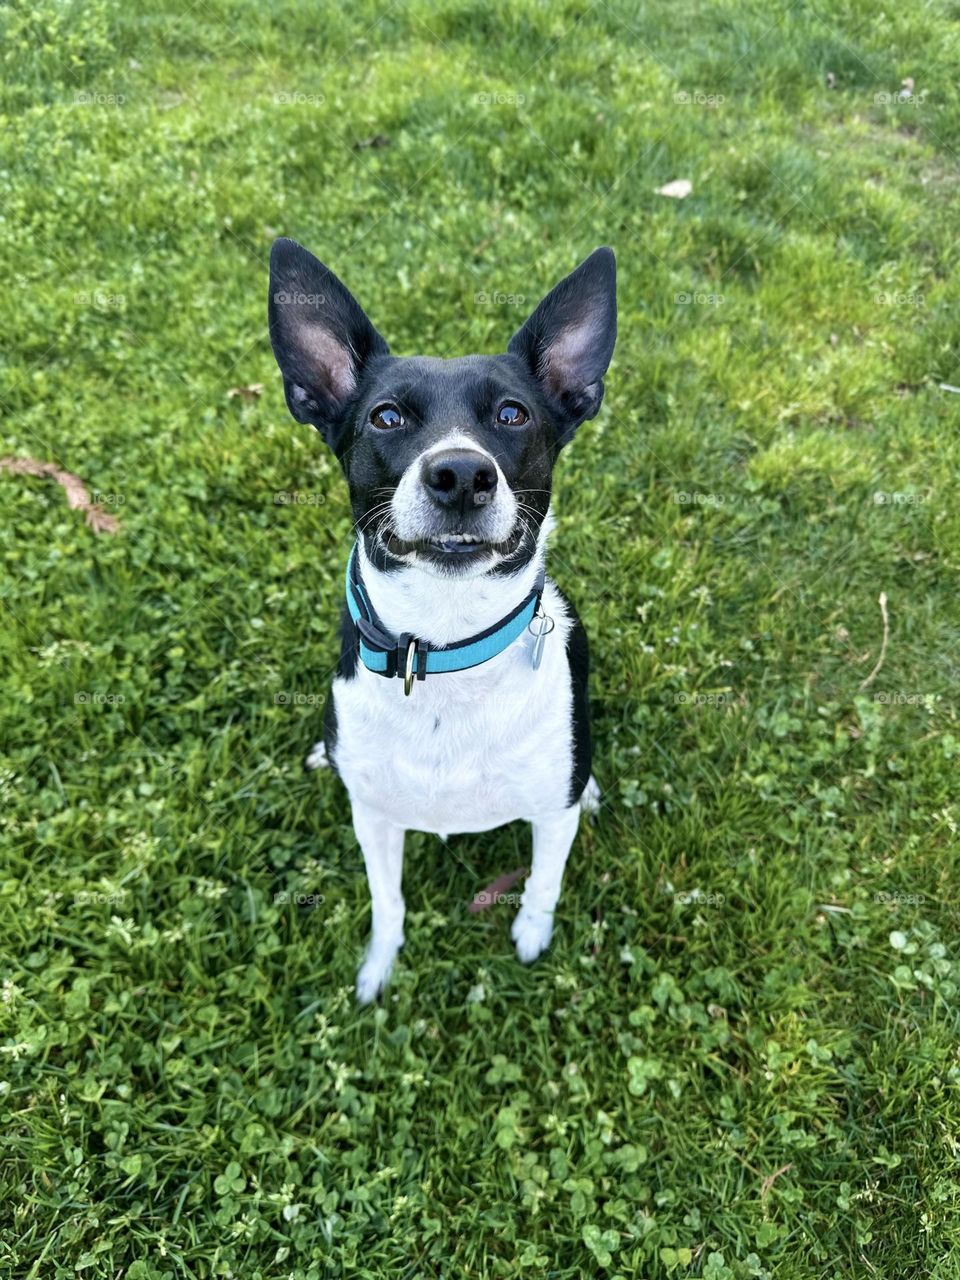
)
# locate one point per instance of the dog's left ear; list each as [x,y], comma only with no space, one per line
[568,341]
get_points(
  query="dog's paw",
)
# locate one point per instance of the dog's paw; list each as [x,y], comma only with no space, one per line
[317,759]
[374,973]
[591,799]
[531,932]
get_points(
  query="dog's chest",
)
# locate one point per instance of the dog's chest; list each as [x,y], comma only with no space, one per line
[465,751]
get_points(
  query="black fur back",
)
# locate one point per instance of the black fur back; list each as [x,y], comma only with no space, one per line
[578,656]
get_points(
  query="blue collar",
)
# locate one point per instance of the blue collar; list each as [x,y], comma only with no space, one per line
[410,657]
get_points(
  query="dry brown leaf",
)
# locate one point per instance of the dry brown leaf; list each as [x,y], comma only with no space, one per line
[492,893]
[249,392]
[78,498]
[679,189]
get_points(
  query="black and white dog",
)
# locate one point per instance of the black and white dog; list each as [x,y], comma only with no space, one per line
[460,699]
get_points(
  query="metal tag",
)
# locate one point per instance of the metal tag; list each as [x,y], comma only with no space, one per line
[545,625]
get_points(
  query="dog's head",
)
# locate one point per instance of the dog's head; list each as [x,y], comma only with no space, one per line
[449,462]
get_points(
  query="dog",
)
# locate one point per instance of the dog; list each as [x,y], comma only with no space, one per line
[460,698]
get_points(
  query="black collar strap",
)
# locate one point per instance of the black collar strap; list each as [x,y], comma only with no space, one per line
[408,656]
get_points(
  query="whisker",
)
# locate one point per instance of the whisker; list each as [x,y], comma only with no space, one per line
[381,509]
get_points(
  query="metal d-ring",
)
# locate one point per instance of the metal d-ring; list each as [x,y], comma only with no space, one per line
[408,673]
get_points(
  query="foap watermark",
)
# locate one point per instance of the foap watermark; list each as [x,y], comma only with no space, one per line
[497,299]
[684,499]
[97,698]
[698,299]
[102,299]
[895,298]
[703,699]
[297,898]
[296,298]
[904,98]
[898,899]
[697,897]
[498,99]
[698,99]
[298,498]
[96,898]
[297,99]
[900,698]
[108,499]
[884,498]
[98,98]
[297,698]
[494,898]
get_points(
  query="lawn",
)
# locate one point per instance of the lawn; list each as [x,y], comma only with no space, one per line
[740,1056]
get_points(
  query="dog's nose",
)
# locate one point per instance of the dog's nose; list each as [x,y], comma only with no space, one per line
[459,479]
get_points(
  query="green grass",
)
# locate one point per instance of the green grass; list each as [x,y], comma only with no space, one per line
[739,1058]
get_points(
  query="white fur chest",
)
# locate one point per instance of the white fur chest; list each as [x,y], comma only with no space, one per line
[466,751]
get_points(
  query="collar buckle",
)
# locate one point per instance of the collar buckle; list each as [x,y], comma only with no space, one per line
[409,660]
[410,663]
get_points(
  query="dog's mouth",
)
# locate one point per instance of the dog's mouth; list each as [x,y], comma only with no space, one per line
[452,545]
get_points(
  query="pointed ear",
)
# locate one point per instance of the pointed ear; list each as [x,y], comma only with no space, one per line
[321,337]
[568,341]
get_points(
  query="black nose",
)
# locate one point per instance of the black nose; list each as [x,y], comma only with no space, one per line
[460,479]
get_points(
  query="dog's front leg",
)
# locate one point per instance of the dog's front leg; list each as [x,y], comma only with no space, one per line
[552,839]
[382,844]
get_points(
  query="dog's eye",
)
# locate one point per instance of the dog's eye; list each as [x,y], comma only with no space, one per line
[511,414]
[386,417]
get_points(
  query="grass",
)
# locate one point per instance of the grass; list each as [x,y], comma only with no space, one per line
[739,1058]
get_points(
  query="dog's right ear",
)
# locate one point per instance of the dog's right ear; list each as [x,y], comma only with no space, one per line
[321,337]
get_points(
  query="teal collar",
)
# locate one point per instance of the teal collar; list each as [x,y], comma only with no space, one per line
[412,658]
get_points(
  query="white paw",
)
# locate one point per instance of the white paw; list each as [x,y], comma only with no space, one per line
[531,932]
[591,798]
[374,972]
[317,759]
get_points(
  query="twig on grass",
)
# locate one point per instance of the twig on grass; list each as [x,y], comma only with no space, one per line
[78,498]
[767,1184]
[883,644]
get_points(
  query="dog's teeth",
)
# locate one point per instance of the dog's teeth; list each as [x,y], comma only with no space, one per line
[467,539]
